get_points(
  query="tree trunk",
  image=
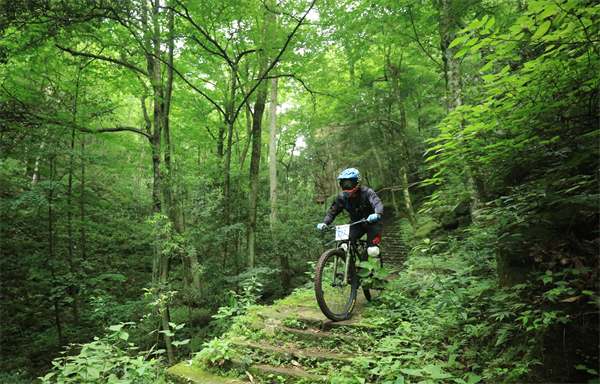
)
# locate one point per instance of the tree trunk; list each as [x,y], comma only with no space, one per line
[283,261]
[273,152]
[259,108]
[227,185]
[171,200]
[152,38]
[55,299]
[82,238]
[70,242]
[395,73]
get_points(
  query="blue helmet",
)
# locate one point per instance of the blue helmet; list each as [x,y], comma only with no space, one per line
[350,181]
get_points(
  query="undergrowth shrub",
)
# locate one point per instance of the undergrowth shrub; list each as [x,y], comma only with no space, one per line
[109,359]
[446,319]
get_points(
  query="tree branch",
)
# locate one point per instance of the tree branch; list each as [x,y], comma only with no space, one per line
[397,187]
[190,84]
[123,63]
[213,136]
[416,38]
[301,82]
[221,52]
[276,60]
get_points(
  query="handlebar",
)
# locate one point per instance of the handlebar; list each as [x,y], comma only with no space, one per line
[332,227]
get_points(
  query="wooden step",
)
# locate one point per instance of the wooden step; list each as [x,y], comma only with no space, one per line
[259,352]
[319,339]
[280,375]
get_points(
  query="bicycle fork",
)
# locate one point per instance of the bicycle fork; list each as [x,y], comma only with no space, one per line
[344,281]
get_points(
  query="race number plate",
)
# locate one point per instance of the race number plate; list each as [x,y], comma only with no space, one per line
[342,232]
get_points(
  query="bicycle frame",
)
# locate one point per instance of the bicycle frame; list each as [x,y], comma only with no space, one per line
[351,248]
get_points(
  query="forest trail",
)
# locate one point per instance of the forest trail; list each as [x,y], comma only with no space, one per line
[393,249]
[288,342]
[292,341]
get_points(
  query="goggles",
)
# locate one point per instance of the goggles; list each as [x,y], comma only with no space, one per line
[348,184]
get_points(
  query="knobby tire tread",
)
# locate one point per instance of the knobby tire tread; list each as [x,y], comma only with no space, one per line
[319,289]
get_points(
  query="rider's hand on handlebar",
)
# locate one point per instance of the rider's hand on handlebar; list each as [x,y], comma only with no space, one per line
[372,218]
[322,226]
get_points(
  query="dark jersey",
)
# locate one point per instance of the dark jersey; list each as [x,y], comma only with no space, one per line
[359,206]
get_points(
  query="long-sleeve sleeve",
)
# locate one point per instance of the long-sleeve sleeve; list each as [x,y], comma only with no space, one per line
[375,202]
[336,208]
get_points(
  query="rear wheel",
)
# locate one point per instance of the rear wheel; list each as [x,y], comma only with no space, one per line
[374,290]
[335,292]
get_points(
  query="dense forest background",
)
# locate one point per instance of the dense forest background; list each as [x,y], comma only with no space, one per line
[157,155]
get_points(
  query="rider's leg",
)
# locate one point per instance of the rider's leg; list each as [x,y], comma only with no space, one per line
[373,237]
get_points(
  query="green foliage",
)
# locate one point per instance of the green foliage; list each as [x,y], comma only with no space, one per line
[215,352]
[372,273]
[446,320]
[525,112]
[109,359]
[293,322]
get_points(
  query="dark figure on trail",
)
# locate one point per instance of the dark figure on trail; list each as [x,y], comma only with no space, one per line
[361,203]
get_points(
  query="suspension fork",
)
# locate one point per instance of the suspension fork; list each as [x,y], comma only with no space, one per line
[346,249]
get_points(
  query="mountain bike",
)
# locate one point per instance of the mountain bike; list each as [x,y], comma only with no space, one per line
[337,274]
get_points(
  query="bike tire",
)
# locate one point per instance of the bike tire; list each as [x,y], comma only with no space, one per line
[335,297]
[373,293]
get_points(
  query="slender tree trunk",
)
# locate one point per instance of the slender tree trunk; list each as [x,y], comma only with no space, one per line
[273,152]
[82,238]
[36,168]
[259,108]
[248,126]
[395,73]
[55,299]
[61,340]
[70,242]
[283,261]
[152,39]
[227,185]
[171,199]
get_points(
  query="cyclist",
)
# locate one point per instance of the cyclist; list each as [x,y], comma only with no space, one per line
[361,203]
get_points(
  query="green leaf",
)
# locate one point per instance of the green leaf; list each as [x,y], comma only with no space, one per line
[458,40]
[535,6]
[93,372]
[462,52]
[439,308]
[487,66]
[48,376]
[490,23]
[489,77]
[364,272]
[440,375]
[412,372]
[116,328]
[123,335]
[471,42]
[541,31]
[473,378]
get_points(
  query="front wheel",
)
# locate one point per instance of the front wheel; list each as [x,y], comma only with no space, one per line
[335,285]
